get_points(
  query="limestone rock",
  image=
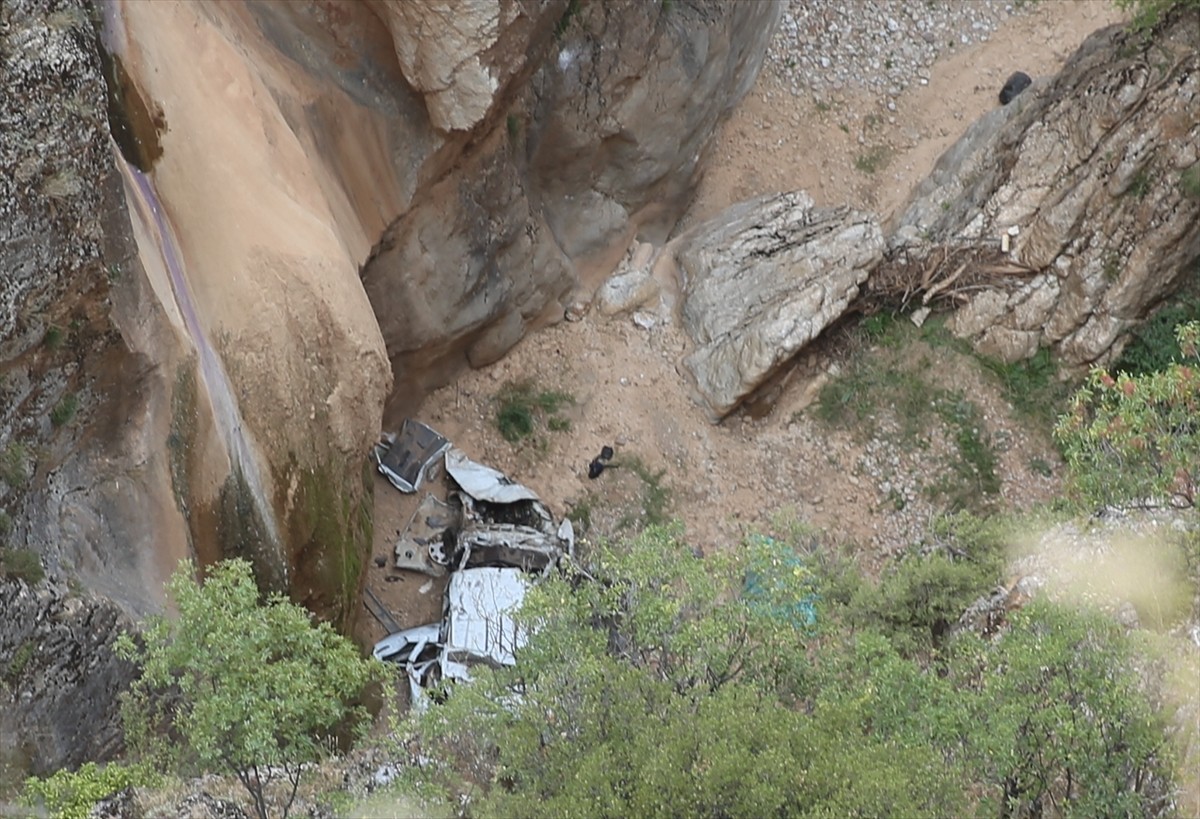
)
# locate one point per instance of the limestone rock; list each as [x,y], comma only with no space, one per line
[600,142]
[58,700]
[632,285]
[1093,167]
[446,49]
[763,279]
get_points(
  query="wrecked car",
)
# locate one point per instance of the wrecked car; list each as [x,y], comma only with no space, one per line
[494,537]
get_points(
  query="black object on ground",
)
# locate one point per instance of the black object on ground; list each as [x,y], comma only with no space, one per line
[381,561]
[1015,84]
[600,462]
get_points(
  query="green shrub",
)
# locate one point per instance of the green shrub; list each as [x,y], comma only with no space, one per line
[1153,346]
[64,411]
[1031,386]
[24,564]
[1136,439]
[262,691]
[53,339]
[1189,182]
[14,468]
[73,794]
[19,661]
[520,406]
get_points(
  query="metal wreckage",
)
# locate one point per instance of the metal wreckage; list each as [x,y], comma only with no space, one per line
[490,534]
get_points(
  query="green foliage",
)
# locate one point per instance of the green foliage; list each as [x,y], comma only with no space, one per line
[1031,386]
[656,496]
[261,689]
[1149,13]
[521,405]
[919,598]
[970,476]
[64,411]
[73,794]
[889,379]
[1154,345]
[1133,439]
[20,659]
[564,22]
[1189,182]
[1058,717]
[24,564]
[657,687]
[53,339]
[14,467]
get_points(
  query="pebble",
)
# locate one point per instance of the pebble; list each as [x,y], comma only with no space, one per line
[882,46]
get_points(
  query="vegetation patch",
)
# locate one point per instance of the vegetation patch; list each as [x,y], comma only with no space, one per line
[874,160]
[522,407]
[261,690]
[883,377]
[23,564]
[669,679]
[72,794]
[14,465]
[1032,387]
[1189,182]
[64,411]
[20,659]
[1134,439]
[1153,345]
[656,495]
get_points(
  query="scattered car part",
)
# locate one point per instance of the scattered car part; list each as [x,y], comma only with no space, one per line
[484,483]
[420,546]
[411,458]
[379,611]
[418,651]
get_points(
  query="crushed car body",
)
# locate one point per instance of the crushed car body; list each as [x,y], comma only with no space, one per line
[494,537]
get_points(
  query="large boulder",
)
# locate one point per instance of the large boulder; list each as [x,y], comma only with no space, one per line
[1093,178]
[763,279]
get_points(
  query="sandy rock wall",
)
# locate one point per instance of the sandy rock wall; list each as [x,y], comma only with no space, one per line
[1097,174]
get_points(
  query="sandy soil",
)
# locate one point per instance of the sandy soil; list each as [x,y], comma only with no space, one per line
[746,473]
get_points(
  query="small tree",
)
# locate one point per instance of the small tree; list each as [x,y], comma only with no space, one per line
[261,689]
[1136,439]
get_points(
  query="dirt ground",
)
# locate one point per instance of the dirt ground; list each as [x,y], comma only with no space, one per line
[748,473]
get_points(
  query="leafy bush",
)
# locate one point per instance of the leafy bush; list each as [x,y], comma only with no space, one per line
[1154,345]
[1136,439]
[262,690]
[73,794]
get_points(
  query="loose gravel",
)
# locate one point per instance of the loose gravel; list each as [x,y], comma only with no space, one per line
[824,47]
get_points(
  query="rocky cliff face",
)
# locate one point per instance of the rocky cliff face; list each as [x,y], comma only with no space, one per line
[1095,178]
[195,361]
[597,139]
